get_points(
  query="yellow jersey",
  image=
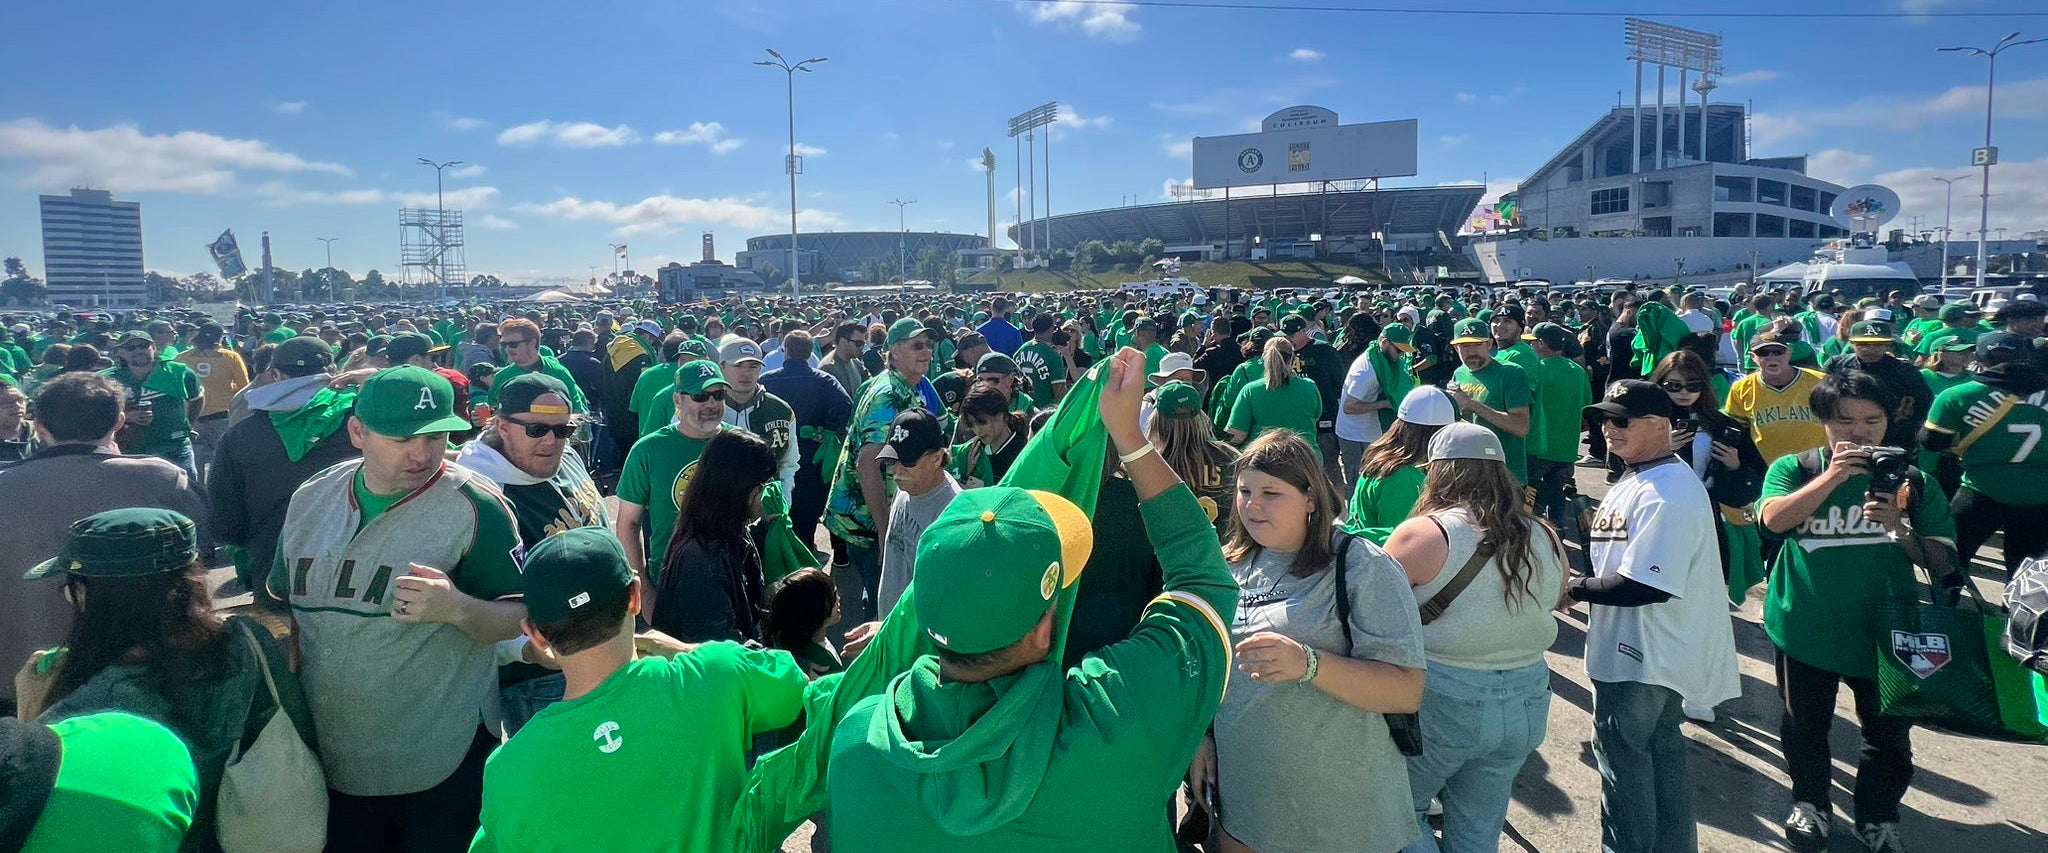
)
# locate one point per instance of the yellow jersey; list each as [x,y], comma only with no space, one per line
[1780,420]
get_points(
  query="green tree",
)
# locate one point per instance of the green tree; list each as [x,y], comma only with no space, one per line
[485,280]
[158,288]
[1151,247]
[879,271]
[19,286]
[771,275]
[938,266]
[205,286]
[1090,253]
[374,285]
[1124,252]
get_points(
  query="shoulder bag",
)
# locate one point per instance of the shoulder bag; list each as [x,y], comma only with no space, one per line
[273,796]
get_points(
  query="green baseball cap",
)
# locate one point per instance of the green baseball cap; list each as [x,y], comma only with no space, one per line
[1550,334]
[1145,322]
[408,400]
[992,563]
[902,330]
[572,571]
[133,335]
[1293,324]
[696,377]
[1956,311]
[1189,318]
[694,347]
[1257,335]
[1176,399]
[1400,335]
[995,362]
[1471,331]
[1952,342]
[124,543]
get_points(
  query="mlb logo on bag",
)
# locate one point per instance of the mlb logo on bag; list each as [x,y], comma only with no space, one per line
[1924,654]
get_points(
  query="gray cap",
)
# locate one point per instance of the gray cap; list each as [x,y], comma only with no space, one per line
[739,351]
[1465,441]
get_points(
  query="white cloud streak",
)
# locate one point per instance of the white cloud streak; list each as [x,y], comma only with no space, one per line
[457,123]
[279,194]
[469,170]
[1304,54]
[289,108]
[662,214]
[568,134]
[1110,22]
[498,223]
[709,134]
[125,159]
[1749,78]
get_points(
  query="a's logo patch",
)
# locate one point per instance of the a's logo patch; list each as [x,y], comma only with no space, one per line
[426,400]
[1924,654]
[1050,583]
[606,736]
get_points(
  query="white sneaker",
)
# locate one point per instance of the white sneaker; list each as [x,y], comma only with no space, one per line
[1881,837]
[1702,714]
[1806,828]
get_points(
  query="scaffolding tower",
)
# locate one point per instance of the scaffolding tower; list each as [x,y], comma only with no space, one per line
[430,249]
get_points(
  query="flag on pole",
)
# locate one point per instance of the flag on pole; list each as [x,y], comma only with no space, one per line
[619,249]
[227,255]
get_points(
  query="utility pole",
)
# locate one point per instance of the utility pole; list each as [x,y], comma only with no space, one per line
[615,257]
[1948,207]
[902,267]
[1987,156]
[792,164]
[327,275]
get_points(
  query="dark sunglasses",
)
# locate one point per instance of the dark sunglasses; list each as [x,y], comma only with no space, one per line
[133,347]
[1770,351]
[518,343]
[920,346]
[535,430]
[707,396]
[1676,387]
[1616,421]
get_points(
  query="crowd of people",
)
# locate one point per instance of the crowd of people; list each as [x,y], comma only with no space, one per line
[558,577]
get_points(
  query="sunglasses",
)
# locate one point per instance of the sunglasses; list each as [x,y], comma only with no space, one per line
[518,343]
[1768,352]
[133,347]
[920,346]
[708,396]
[536,430]
[1616,421]
[1676,387]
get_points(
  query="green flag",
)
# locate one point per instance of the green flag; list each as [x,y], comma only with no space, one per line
[788,785]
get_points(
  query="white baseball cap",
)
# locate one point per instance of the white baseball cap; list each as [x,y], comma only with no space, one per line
[1427,405]
[649,328]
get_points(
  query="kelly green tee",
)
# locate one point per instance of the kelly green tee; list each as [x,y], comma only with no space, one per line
[1042,366]
[652,758]
[166,391]
[2007,462]
[1837,568]
[1562,393]
[1502,386]
[1379,504]
[125,784]
[657,470]
[1294,406]
[547,365]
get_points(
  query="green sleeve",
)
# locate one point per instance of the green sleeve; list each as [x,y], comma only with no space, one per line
[1241,411]
[1946,413]
[1931,518]
[633,487]
[770,683]
[1781,479]
[191,384]
[490,569]
[1518,392]
[555,369]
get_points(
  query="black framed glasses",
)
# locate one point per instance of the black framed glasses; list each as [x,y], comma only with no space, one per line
[536,430]
[707,396]
[1671,387]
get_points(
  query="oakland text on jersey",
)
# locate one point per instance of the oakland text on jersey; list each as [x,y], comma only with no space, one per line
[1839,527]
[372,593]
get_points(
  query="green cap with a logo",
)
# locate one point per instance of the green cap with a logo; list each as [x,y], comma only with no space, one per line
[125,543]
[992,563]
[903,330]
[1400,335]
[1870,332]
[1471,331]
[1177,399]
[696,377]
[572,571]
[408,400]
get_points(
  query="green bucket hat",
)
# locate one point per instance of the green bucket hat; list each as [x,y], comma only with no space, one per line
[994,562]
[571,571]
[696,377]
[408,400]
[1177,399]
[124,543]
[903,330]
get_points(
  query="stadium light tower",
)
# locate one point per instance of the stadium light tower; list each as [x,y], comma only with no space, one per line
[440,221]
[791,164]
[902,270]
[1022,124]
[1987,156]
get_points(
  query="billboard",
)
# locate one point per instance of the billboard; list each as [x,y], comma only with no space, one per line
[1306,144]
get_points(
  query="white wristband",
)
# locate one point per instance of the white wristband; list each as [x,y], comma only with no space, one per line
[1135,455]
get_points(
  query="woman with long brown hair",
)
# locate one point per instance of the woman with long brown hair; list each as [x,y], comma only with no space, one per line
[710,581]
[1390,471]
[1327,642]
[1279,399]
[1182,433]
[1487,573]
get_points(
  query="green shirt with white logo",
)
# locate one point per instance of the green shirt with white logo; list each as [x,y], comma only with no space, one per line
[657,470]
[1042,366]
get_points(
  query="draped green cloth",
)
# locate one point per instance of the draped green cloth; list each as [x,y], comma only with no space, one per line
[1395,381]
[304,427]
[781,551]
[787,786]
[1657,334]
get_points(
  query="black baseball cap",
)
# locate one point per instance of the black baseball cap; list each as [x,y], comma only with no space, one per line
[302,351]
[2002,346]
[912,434]
[405,345]
[1632,398]
[572,571]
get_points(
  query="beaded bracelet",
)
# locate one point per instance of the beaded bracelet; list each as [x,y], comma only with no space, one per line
[1308,673]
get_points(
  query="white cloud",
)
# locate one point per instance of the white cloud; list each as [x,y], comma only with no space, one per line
[124,159]
[457,123]
[497,222]
[890,136]
[1070,117]
[1453,140]
[469,170]
[2019,191]
[662,214]
[709,134]
[1839,166]
[279,194]
[1466,97]
[1749,78]
[1303,54]
[1767,130]
[803,150]
[943,145]
[2017,99]
[973,164]
[1107,21]
[1193,108]
[1176,145]
[289,108]
[568,134]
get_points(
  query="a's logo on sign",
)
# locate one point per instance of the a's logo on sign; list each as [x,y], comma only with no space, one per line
[1250,160]
[1297,157]
[1924,654]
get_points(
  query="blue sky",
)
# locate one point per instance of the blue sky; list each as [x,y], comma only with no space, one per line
[643,122]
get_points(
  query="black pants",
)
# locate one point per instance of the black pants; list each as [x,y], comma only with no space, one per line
[441,819]
[1978,516]
[807,506]
[1886,768]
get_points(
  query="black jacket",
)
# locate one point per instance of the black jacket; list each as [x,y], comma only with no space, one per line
[711,590]
[251,485]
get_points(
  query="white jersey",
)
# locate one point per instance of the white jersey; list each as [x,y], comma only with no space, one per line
[1656,527]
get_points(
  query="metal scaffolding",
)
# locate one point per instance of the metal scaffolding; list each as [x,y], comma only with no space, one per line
[430,249]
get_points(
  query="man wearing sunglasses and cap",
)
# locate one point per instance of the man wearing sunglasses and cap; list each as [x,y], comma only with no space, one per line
[1772,402]
[1872,343]
[661,463]
[857,509]
[402,572]
[164,398]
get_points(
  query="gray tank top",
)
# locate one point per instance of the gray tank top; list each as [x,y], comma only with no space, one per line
[1480,630]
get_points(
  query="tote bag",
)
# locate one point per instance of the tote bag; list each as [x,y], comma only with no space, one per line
[273,796]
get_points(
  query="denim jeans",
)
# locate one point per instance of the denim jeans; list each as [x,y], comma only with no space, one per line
[1645,790]
[525,699]
[857,580]
[1478,728]
[1349,455]
[184,458]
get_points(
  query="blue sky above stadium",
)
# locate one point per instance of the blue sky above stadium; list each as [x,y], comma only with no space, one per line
[587,124]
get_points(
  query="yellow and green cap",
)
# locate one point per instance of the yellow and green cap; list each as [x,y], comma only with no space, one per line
[123,543]
[993,563]
[1471,331]
[408,400]
[1870,332]
[696,377]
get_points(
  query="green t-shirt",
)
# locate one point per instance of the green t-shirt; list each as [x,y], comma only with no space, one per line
[1920,328]
[1562,394]
[655,756]
[664,459]
[1042,366]
[166,391]
[1294,406]
[653,397]
[1745,329]
[1379,504]
[1153,354]
[547,365]
[1837,569]
[125,784]
[2007,462]
[1502,386]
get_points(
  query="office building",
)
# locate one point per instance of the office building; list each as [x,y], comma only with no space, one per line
[92,249]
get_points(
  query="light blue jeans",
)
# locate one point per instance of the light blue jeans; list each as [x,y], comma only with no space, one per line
[1478,728]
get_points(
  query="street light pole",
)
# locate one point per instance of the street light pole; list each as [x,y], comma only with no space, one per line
[790,164]
[440,222]
[615,258]
[1948,211]
[902,268]
[327,275]
[330,249]
[1987,156]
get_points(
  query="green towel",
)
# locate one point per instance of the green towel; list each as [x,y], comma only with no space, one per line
[306,426]
[781,551]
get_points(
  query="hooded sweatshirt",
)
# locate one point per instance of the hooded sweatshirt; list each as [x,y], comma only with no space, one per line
[296,430]
[543,507]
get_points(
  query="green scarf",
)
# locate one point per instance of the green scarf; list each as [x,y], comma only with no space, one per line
[1395,382]
[781,551]
[308,425]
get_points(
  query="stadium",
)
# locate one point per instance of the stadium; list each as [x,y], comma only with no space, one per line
[838,255]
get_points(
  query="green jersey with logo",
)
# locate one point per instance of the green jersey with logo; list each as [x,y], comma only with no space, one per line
[1837,568]
[547,365]
[655,755]
[1505,387]
[1042,366]
[165,391]
[657,470]
[2006,461]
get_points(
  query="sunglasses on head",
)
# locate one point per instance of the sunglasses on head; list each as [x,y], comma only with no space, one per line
[1672,387]
[708,396]
[536,430]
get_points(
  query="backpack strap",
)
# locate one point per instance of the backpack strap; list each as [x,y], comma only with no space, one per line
[1434,608]
[1344,541]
